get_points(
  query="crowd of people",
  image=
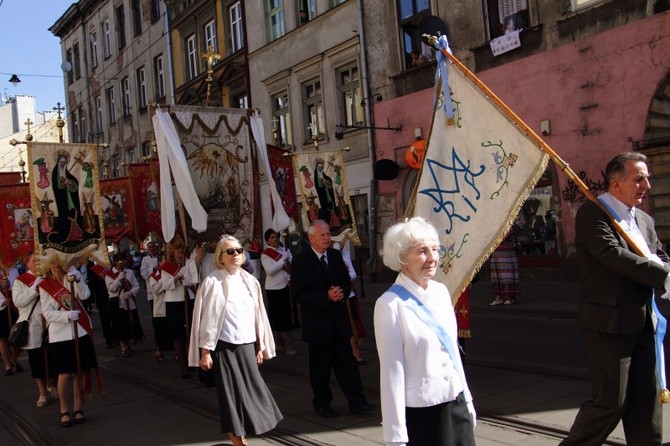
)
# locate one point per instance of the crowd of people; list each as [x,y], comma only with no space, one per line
[210,311]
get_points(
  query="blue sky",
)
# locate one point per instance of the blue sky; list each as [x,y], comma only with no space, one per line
[31,51]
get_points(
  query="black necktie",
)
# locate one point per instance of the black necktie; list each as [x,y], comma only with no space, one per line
[324,263]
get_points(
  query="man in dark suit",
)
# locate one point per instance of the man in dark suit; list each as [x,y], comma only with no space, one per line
[615,310]
[320,284]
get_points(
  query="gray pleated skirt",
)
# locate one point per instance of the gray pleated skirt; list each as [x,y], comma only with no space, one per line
[245,403]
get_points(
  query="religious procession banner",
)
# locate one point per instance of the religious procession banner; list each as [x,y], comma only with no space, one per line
[66,204]
[325,193]
[118,212]
[144,180]
[17,223]
[476,174]
[281,170]
[216,143]
[9,178]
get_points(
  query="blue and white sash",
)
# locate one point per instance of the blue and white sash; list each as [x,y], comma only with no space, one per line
[660,323]
[427,318]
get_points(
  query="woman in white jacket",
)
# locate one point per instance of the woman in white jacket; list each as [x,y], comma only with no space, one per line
[26,297]
[231,334]
[424,394]
[61,310]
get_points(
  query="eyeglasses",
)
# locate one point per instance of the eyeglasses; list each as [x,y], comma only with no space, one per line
[231,251]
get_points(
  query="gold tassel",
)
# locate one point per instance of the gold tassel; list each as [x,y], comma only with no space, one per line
[665,396]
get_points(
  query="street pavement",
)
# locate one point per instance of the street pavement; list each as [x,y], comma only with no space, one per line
[510,403]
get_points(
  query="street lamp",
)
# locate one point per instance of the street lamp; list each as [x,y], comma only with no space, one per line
[14,80]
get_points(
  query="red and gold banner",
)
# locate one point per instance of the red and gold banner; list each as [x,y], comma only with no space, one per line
[16,222]
[10,178]
[145,184]
[66,204]
[282,173]
[118,214]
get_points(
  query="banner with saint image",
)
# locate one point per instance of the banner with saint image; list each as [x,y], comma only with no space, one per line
[16,222]
[325,193]
[66,205]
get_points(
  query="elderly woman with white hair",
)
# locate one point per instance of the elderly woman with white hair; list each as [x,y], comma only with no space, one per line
[424,393]
[231,334]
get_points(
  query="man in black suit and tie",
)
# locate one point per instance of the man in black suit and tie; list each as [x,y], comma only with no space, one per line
[320,284]
[615,309]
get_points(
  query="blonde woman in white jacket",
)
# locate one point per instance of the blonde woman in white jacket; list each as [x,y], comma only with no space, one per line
[232,335]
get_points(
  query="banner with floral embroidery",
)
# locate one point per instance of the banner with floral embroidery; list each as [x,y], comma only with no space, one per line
[66,204]
[16,222]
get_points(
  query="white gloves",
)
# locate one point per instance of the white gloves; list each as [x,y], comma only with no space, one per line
[126,295]
[73,315]
[473,414]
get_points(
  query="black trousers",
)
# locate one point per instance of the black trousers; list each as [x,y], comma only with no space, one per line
[446,424]
[336,355]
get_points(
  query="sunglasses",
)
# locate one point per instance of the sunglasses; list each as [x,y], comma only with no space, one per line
[231,251]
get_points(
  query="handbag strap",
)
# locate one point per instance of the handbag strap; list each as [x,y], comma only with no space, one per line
[33,308]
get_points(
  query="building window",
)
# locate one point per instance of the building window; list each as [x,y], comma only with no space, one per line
[137,17]
[507,15]
[106,40]
[120,27]
[75,125]
[242,101]
[115,165]
[306,11]
[82,124]
[351,100]
[146,150]
[191,57]
[236,30]
[76,61]
[111,104]
[334,3]
[276,18]
[125,96]
[210,36]
[313,110]
[281,120]
[410,12]
[93,38]
[68,59]
[141,88]
[159,71]
[130,156]
[155,10]
[578,4]
[98,114]
[535,228]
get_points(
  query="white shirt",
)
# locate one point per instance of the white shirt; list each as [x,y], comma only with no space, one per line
[415,370]
[60,325]
[174,290]
[276,277]
[238,322]
[24,297]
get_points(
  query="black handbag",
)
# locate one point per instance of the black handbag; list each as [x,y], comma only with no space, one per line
[18,335]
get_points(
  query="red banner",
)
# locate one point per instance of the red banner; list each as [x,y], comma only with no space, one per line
[144,180]
[282,173]
[10,178]
[118,213]
[16,222]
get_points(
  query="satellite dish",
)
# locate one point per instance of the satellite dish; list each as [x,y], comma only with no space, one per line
[385,169]
[433,26]
[66,66]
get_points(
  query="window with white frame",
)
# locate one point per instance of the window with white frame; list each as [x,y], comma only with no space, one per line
[241,101]
[82,124]
[236,27]
[306,11]
[98,114]
[410,13]
[155,10]
[146,150]
[351,99]
[76,60]
[137,17]
[191,57]
[313,110]
[68,59]
[116,166]
[336,2]
[276,18]
[106,40]
[505,16]
[93,39]
[111,105]
[125,96]
[141,88]
[159,75]
[75,125]
[281,120]
[210,36]
[130,155]
[578,4]
[120,27]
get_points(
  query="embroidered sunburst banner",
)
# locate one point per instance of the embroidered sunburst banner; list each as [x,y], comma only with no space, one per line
[145,187]
[474,179]
[325,193]
[118,212]
[217,146]
[65,201]
[17,223]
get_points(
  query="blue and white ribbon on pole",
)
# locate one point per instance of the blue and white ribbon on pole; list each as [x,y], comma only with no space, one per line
[441,72]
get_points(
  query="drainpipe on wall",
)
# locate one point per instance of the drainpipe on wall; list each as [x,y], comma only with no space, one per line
[168,43]
[372,209]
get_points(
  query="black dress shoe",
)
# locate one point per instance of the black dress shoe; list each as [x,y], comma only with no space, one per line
[326,412]
[363,408]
